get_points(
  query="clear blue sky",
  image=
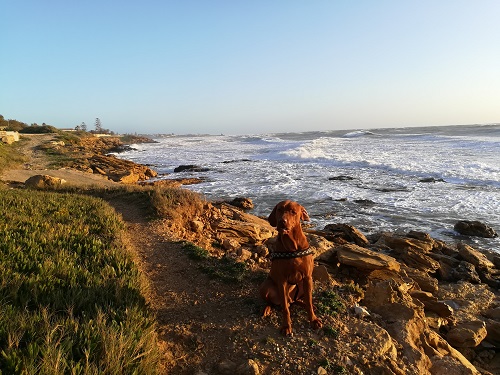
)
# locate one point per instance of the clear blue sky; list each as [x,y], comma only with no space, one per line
[246,67]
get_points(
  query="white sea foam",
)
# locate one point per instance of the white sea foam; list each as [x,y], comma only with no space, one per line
[386,167]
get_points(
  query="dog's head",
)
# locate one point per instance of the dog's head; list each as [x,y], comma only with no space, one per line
[286,216]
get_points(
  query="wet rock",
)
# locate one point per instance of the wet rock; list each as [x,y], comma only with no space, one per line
[190,168]
[467,334]
[341,178]
[474,228]
[365,202]
[431,179]
[44,181]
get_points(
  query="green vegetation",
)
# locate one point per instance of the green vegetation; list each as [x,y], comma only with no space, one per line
[10,156]
[332,367]
[330,331]
[225,269]
[328,303]
[70,296]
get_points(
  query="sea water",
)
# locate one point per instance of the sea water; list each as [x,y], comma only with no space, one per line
[372,179]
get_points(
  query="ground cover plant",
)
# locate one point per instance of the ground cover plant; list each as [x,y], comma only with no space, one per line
[10,156]
[70,295]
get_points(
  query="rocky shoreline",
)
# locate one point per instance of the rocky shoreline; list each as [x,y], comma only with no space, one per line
[426,307]
[422,306]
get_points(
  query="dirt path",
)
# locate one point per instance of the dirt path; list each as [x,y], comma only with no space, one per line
[210,327]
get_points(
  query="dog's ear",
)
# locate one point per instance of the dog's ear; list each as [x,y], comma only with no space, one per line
[272,217]
[304,216]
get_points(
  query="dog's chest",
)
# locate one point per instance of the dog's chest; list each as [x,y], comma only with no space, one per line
[291,270]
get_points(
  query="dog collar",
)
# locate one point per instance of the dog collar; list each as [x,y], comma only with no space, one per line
[290,255]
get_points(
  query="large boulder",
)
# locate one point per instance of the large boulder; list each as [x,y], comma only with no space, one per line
[474,228]
[44,181]
[234,224]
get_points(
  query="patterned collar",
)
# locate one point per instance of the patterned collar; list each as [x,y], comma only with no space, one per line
[290,255]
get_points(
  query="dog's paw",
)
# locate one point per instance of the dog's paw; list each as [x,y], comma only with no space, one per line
[286,331]
[267,311]
[316,324]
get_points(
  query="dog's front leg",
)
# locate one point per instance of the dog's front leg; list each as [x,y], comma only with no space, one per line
[286,327]
[308,287]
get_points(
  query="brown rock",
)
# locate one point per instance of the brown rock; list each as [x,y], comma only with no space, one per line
[196,226]
[349,232]
[250,367]
[44,181]
[241,202]
[467,335]
[473,256]
[244,254]
[377,338]
[419,260]
[448,366]
[402,244]
[320,273]
[243,232]
[493,313]
[363,258]
[493,336]
[442,309]
[425,282]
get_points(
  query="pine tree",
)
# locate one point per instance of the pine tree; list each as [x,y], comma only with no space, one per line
[98,125]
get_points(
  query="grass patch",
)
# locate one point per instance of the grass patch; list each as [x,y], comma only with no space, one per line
[225,269]
[329,303]
[70,296]
[11,156]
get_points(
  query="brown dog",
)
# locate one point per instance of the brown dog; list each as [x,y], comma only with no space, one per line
[290,278]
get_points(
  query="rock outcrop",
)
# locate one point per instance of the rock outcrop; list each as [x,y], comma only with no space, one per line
[428,306]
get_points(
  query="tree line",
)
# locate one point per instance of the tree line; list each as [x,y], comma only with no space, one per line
[22,127]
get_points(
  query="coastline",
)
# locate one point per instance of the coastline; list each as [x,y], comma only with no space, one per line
[406,298]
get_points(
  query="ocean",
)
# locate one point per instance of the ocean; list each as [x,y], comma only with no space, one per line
[397,179]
